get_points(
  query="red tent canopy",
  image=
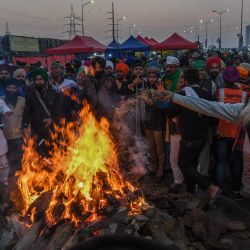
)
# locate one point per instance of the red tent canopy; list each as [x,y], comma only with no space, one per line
[79,44]
[144,41]
[175,42]
[153,40]
[149,40]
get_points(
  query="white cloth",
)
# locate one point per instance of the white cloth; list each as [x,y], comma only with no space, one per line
[66,84]
[173,60]
[174,157]
[109,64]
[3,144]
[190,92]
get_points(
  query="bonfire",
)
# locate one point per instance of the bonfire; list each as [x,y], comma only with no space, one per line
[81,181]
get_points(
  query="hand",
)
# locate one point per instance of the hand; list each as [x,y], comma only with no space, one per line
[47,122]
[8,113]
[26,135]
[137,81]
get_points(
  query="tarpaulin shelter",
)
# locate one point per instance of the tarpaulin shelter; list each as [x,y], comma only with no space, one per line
[79,44]
[175,42]
[133,45]
[144,41]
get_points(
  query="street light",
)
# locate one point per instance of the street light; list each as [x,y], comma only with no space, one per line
[131,27]
[83,5]
[220,13]
[206,23]
[117,24]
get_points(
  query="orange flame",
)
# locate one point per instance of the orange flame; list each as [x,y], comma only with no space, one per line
[83,173]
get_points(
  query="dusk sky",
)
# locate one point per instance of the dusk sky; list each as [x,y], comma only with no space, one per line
[154,18]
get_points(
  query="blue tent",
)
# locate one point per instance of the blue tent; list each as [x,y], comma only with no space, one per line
[114,45]
[133,45]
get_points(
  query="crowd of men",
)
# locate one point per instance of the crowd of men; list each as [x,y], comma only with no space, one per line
[199,147]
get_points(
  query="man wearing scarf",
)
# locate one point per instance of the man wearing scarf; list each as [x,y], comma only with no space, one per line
[40,110]
[193,131]
[13,124]
[172,81]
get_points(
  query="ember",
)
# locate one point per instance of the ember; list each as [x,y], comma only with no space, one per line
[81,181]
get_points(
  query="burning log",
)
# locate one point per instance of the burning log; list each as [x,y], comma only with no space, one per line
[118,217]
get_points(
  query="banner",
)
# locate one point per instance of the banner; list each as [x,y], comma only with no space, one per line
[24,44]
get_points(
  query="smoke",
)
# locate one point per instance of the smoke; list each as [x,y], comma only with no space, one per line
[132,147]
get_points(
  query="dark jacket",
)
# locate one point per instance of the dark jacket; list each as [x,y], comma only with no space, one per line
[192,125]
[34,113]
[155,118]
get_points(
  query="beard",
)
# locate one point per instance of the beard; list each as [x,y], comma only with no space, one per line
[99,74]
[214,74]
[119,77]
[11,98]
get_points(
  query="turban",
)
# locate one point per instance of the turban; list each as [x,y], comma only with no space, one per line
[212,60]
[12,81]
[173,60]
[19,72]
[200,64]
[123,67]
[243,73]
[109,64]
[231,75]
[153,63]
[5,67]
[40,72]
[56,64]
[246,66]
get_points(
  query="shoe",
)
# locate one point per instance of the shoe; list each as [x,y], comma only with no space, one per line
[237,196]
[175,188]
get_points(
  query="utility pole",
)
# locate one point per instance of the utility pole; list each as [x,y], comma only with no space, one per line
[7,30]
[220,13]
[206,27]
[112,24]
[72,23]
[83,5]
[241,26]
